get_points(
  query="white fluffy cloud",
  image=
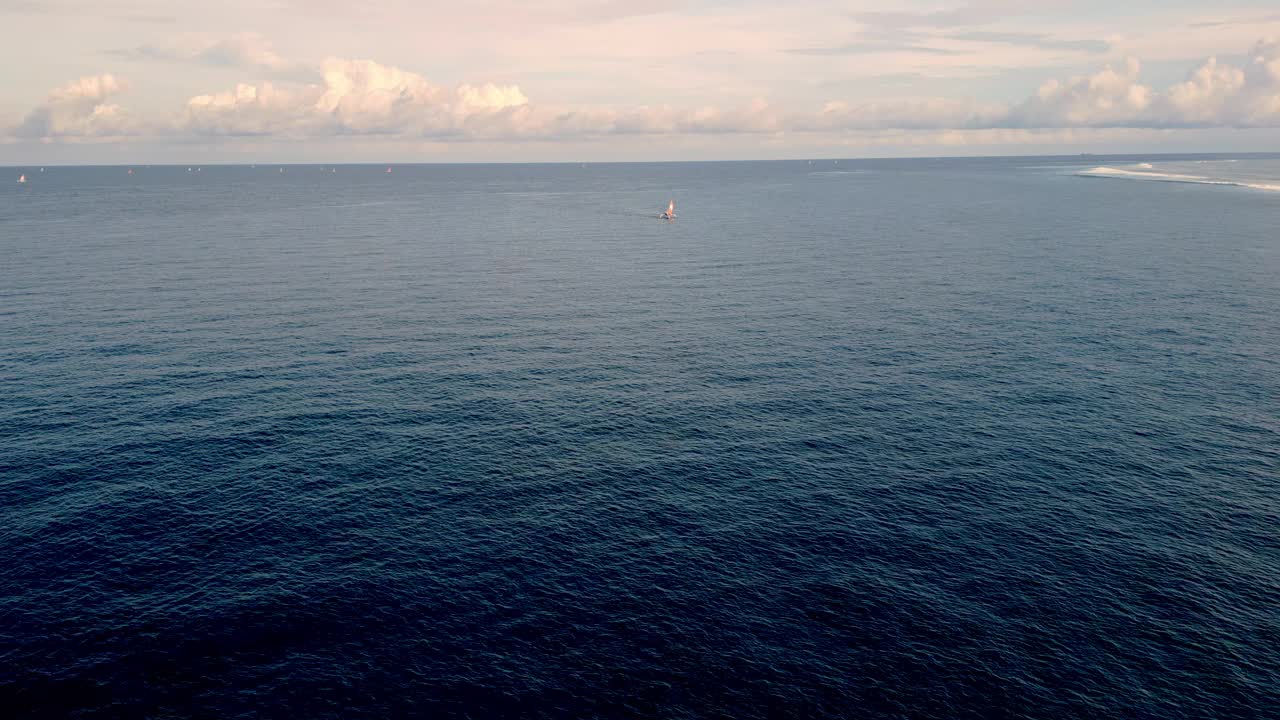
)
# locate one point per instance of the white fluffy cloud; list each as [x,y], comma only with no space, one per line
[366,98]
[1109,98]
[1220,94]
[79,109]
[1216,94]
[249,110]
[1207,95]
[356,97]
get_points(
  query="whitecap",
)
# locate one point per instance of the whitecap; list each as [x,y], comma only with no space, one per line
[1125,174]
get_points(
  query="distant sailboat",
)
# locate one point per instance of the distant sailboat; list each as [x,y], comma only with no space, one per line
[670,214]
[130,171]
[388,169]
[22,178]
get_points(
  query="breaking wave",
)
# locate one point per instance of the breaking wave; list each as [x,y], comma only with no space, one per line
[1175,174]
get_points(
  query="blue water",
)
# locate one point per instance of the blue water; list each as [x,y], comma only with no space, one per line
[900,439]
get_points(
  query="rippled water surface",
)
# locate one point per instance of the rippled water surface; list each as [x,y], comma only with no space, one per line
[962,438]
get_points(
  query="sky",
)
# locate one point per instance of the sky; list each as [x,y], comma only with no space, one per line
[141,81]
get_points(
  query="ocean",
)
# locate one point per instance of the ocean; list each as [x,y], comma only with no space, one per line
[954,438]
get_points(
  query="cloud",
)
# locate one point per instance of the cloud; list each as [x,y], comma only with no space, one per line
[356,97]
[1218,94]
[367,98]
[1208,94]
[924,114]
[243,50]
[1110,98]
[249,110]
[873,47]
[967,15]
[904,40]
[79,109]
[1254,20]
[1034,40]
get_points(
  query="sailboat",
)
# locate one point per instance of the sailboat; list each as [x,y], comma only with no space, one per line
[670,214]
[22,178]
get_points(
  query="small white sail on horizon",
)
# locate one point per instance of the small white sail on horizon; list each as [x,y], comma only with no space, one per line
[22,178]
[670,214]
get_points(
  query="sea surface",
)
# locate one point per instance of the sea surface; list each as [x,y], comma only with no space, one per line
[979,438]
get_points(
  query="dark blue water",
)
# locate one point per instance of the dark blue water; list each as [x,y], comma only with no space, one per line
[902,439]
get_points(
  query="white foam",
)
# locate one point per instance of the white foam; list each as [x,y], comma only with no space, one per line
[1123,174]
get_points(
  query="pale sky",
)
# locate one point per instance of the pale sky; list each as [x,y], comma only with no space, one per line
[135,81]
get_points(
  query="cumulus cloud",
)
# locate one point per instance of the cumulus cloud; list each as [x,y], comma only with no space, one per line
[1207,95]
[355,97]
[1258,101]
[1216,94]
[248,110]
[1112,97]
[79,109]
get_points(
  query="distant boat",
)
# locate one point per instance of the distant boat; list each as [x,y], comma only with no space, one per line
[388,169]
[670,214]
[22,178]
[130,171]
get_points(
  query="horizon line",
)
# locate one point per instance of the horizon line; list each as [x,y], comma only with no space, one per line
[219,163]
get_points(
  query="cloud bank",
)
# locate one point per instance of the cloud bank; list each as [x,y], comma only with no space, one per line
[366,98]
